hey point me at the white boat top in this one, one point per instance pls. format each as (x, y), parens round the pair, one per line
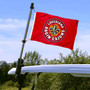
(79, 70)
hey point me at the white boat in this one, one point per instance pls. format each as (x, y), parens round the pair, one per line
(78, 70)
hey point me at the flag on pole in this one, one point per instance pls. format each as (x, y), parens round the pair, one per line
(54, 30)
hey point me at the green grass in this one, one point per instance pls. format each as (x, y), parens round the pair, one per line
(10, 85)
(5, 87)
(13, 88)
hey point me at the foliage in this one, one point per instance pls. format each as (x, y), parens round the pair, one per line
(13, 65)
(16, 84)
(44, 82)
(65, 81)
(32, 58)
(9, 83)
(4, 73)
(76, 57)
(49, 81)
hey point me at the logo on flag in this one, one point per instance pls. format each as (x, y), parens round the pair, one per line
(54, 30)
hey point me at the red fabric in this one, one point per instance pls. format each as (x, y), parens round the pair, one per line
(54, 30)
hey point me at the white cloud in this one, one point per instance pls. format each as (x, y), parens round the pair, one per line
(83, 42)
(0, 19)
(12, 24)
(9, 50)
(83, 37)
(46, 51)
(11, 34)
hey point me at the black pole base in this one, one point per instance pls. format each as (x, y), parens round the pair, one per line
(21, 80)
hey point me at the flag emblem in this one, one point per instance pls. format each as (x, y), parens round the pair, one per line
(54, 30)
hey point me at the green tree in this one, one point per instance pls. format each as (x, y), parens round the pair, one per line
(76, 57)
(13, 65)
(4, 73)
(44, 62)
(55, 61)
(44, 81)
(88, 60)
(32, 58)
(67, 81)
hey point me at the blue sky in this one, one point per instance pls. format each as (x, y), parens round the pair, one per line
(13, 19)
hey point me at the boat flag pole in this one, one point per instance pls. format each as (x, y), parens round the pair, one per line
(20, 60)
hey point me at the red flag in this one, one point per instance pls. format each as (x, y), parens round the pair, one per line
(54, 30)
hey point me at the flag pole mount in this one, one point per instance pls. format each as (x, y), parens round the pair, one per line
(20, 60)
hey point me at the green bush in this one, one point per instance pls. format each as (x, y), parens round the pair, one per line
(9, 83)
(16, 84)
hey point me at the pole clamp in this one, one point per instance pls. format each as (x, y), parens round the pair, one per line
(24, 41)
